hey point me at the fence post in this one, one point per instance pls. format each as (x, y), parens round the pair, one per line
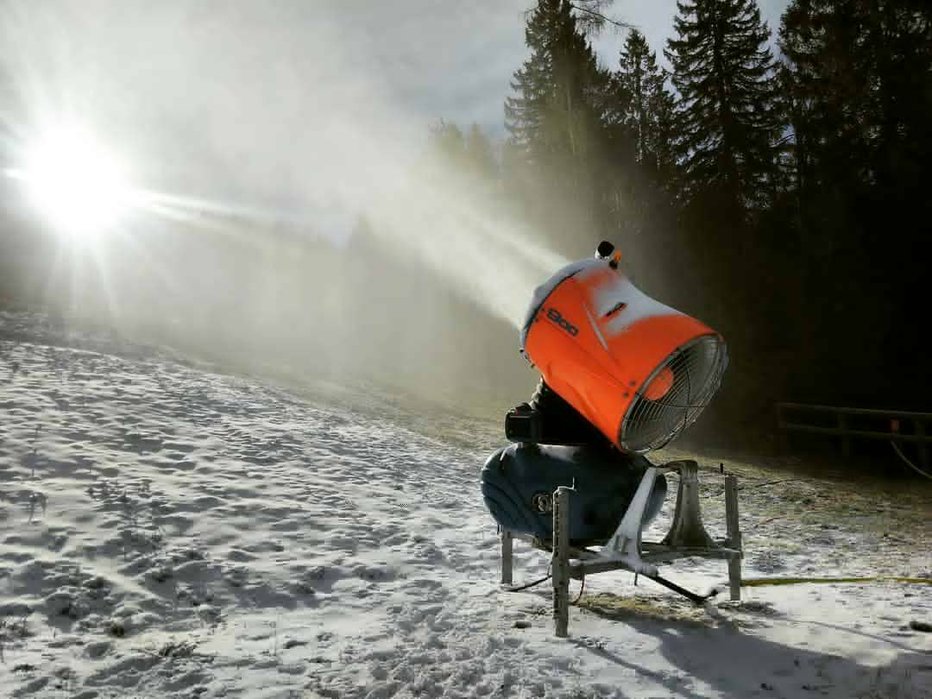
(845, 439)
(560, 561)
(923, 446)
(782, 436)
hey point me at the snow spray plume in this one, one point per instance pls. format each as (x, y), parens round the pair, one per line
(251, 161)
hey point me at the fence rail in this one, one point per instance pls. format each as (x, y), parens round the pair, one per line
(845, 424)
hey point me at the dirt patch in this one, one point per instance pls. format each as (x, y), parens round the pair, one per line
(633, 607)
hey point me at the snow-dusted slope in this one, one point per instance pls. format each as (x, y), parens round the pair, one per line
(166, 531)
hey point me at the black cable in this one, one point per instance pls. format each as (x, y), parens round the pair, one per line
(691, 596)
(530, 584)
(582, 587)
(533, 583)
(899, 452)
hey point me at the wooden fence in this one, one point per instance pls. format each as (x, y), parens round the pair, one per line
(845, 424)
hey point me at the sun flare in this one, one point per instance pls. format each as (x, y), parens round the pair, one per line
(75, 182)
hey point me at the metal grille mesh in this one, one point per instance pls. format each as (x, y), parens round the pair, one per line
(697, 372)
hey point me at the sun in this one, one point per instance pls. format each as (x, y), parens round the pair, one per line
(75, 182)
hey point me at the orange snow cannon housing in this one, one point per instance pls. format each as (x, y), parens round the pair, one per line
(638, 370)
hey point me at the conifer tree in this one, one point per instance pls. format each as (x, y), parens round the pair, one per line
(481, 154)
(557, 89)
(555, 123)
(646, 106)
(858, 75)
(858, 78)
(727, 118)
(448, 142)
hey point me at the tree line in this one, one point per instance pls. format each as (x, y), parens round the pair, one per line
(775, 186)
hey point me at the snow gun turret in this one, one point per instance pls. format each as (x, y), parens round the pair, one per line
(637, 370)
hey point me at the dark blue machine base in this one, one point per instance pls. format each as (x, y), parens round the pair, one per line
(518, 482)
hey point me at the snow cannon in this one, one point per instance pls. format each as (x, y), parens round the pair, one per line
(621, 374)
(639, 371)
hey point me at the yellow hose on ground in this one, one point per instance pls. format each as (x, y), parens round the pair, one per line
(761, 582)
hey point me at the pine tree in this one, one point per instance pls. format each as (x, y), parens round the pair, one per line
(481, 154)
(646, 106)
(858, 79)
(727, 119)
(826, 85)
(857, 75)
(448, 143)
(557, 90)
(555, 125)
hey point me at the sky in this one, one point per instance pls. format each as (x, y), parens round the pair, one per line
(455, 60)
(289, 107)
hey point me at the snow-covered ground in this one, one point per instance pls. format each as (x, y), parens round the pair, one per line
(169, 531)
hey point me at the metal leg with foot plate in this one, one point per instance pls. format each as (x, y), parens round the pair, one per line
(626, 550)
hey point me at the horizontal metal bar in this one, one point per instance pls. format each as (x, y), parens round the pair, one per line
(909, 415)
(579, 569)
(840, 432)
(663, 554)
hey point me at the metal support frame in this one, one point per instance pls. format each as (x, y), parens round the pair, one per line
(624, 547)
(733, 540)
(625, 550)
(687, 530)
(560, 565)
(507, 555)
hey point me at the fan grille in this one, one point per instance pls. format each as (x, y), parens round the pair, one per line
(697, 370)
